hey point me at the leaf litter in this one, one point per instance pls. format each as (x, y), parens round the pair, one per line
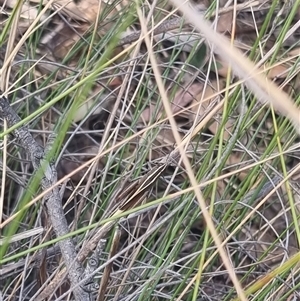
(197, 81)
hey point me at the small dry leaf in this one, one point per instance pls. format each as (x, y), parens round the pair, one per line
(235, 160)
(148, 113)
(162, 145)
(61, 40)
(221, 67)
(185, 96)
(225, 22)
(204, 101)
(28, 13)
(278, 71)
(294, 52)
(181, 100)
(84, 10)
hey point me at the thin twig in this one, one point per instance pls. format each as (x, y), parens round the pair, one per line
(127, 199)
(163, 27)
(177, 22)
(53, 198)
(262, 192)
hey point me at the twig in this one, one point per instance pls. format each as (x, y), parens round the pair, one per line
(52, 199)
(163, 27)
(108, 268)
(177, 22)
(262, 192)
(127, 199)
